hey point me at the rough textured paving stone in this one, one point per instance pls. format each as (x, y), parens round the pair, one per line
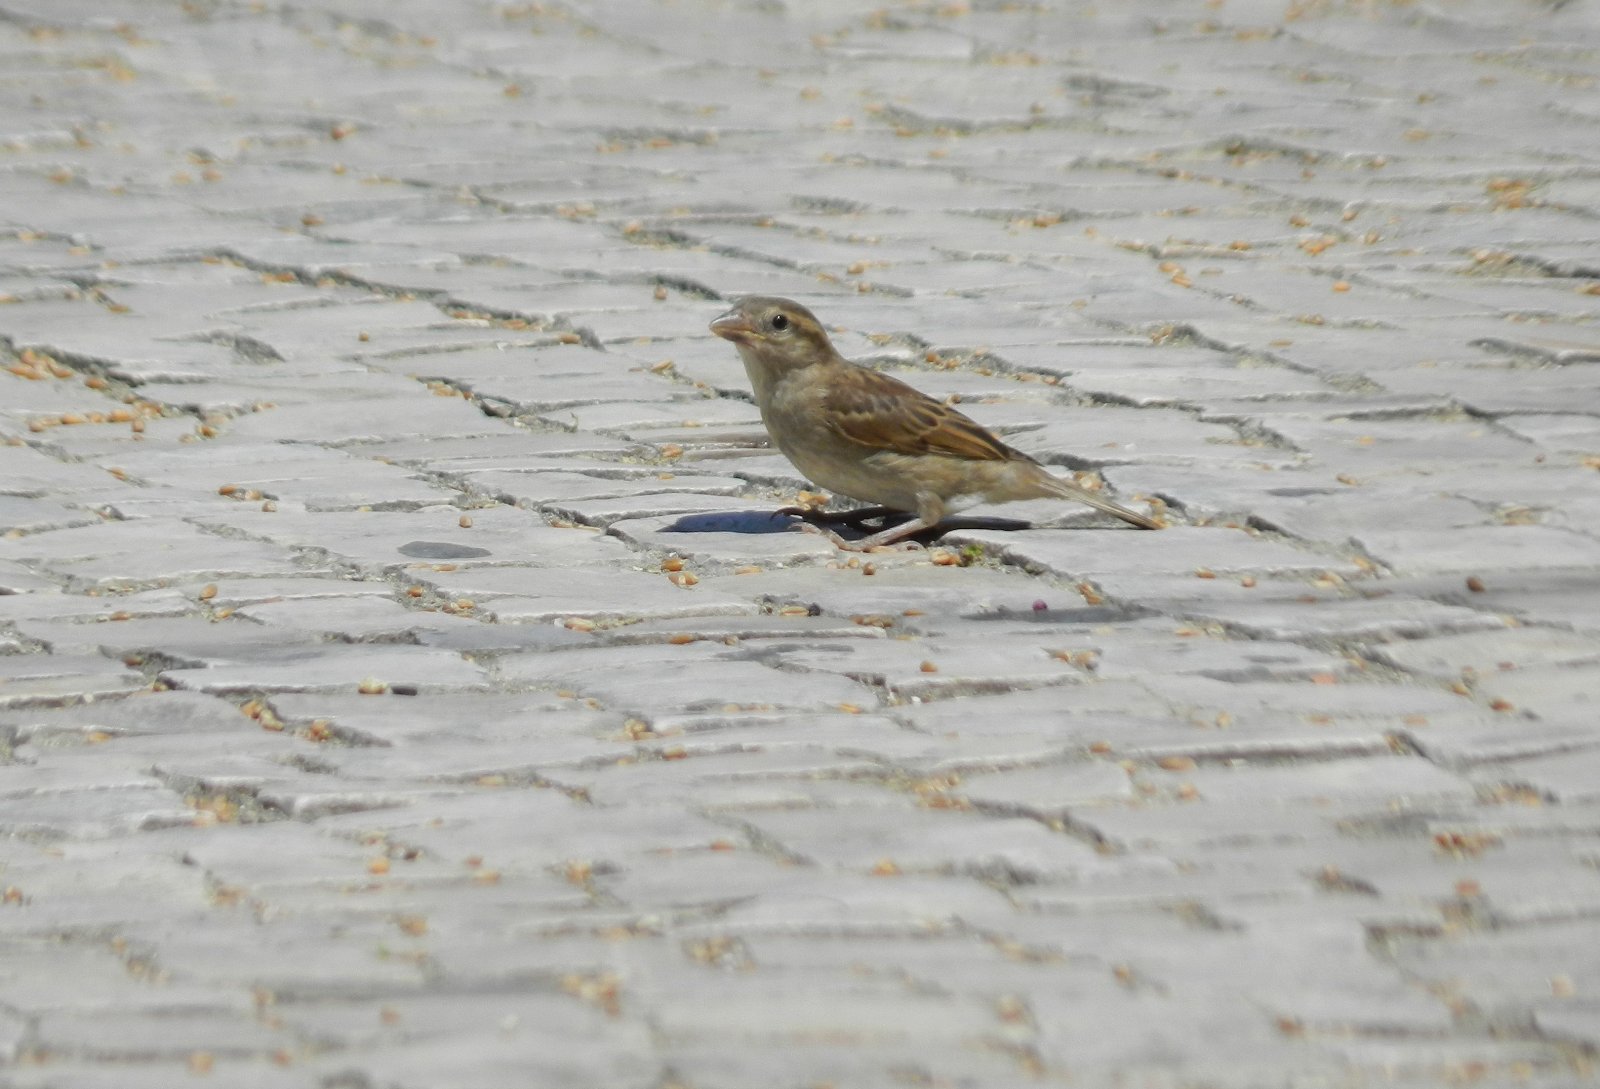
(1452, 656)
(310, 668)
(1051, 790)
(531, 594)
(405, 679)
(666, 682)
(734, 537)
(1172, 551)
(380, 542)
(1471, 551)
(144, 552)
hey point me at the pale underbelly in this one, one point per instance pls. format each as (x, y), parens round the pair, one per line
(871, 479)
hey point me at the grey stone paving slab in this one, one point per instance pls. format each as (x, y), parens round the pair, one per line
(33, 473)
(1568, 777)
(909, 587)
(146, 551)
(927, 669)
(1554, 596)
(722, 780)
(361, 618)
(1558, 695)
(1567, 434)
(1313, 783)
(1495, 735)
(185, 640)
(1469, 550)
(378, 419)
(141, 714)
(538, 594)
(1187, 650)
(471, 638)
(95, 813)
(1322, 507)
(845, 904)
(83, 883)
(1570, 1019)
(1179, 550)
(251, 1073)
(329, 666)
(1452, 656)
(46, 773)
(572, 494)
(739, 537)
(232, 593)
(15, 578)
(476, 717)
(732, 630)
(873, 737)
(554, 1046)
(113, 992)
(1187, 715)
(1186, 827)
(491, 825)
(656, 681)
(95, 606)
(1007, 850)
(1508, 969)
(317, 479)
(681, 505)
(1291, 609)
(537, 383)
(498, 761)
(144, 1037)
(34, 515)
(35, 679)
(381, 542)
(1050, 791)
(509, 450)
(684, 796)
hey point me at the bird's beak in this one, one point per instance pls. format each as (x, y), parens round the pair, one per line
(734, 326)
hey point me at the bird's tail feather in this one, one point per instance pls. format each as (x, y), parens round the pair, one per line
(1068, 490)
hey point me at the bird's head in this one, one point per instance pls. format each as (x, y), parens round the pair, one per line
(779, 331)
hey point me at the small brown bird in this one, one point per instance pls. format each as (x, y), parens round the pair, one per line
(869, 436)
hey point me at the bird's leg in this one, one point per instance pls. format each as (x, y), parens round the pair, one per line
(888, 536)
(930, 510)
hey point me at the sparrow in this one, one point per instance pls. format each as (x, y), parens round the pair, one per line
(867, 435)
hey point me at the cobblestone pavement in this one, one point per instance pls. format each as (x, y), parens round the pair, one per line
(403, 678)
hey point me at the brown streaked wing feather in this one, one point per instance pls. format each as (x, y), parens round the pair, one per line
(884, 413)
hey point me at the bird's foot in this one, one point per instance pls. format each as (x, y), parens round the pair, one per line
(878, 542)
(847, 544)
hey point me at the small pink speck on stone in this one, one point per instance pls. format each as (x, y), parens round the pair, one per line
(1039, 606)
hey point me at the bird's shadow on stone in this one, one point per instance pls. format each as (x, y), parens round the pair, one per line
(731, 521)
(747, 521)
(1005, 525)
(442, 550)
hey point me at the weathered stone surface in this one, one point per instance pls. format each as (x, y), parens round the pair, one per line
(532, 594)
(738, 538)
(378, 543)
(1088, 554)
(662, 679)
(124, 555)
(329, 666)
(406, 680)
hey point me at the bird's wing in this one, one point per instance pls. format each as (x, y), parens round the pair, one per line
(884, 413)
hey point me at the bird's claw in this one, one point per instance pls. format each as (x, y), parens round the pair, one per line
(873, 543)
(823, 531)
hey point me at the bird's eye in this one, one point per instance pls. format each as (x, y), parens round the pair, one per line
(779, 322)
